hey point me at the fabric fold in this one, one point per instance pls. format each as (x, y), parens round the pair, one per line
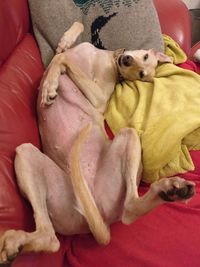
(166, 115)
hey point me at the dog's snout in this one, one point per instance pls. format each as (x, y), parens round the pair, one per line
(125, 60)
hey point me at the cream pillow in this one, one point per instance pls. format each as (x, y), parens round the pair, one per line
(130, 24)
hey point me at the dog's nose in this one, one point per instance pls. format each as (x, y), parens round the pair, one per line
(127, 60)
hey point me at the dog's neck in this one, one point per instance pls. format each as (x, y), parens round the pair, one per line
(119, 77)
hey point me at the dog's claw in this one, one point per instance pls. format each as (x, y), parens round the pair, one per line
(11, 258)
(51, 98)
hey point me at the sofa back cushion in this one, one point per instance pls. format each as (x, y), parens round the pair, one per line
(108, 24)
(14, 23)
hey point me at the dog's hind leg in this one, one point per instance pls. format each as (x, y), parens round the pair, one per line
(127, 145)
(121, 166)
(164, 190)
(62, 63)
(29, 166)
(118, 174)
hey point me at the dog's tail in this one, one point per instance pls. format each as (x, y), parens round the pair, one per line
(83, 195)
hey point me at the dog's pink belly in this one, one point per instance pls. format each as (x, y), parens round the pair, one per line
(60, 125)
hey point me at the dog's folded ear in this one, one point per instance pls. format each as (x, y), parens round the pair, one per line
(118, 52)
(162, 57)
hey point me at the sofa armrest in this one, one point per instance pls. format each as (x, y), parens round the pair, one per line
(175, 21)
(14, 24)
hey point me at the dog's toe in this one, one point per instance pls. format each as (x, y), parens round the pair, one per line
(175, 194)
(168, 196)
(51, 98)
(11, 244)
(186, 192)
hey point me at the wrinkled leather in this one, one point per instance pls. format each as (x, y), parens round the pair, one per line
(175, 21)
(19, 79)
(14, 23)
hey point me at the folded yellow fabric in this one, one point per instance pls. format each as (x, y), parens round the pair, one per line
(165, 113)
(173, 50)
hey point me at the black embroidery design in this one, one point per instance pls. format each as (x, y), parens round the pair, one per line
(106, 5)
(101, 21)
(96, 26)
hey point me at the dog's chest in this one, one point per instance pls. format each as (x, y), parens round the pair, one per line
(96, 64)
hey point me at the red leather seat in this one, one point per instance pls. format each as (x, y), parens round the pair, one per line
(175, 21)
(20, 72)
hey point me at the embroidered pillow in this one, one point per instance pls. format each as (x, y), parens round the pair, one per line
(130, 24)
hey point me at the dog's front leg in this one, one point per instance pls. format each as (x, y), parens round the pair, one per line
(50, 81)
(92, 91)
(69, 37)
(62, 63)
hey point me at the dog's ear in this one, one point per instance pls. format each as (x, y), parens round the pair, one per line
(162, 57)
(118, 52)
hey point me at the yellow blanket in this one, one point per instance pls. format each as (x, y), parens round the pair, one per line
(165, 113)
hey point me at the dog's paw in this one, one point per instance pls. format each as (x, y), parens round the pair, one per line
(175, 189)
(49, 92)
(11, 243)
(63, 45)
(70, 37)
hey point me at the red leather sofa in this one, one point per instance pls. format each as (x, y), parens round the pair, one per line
(167, 237)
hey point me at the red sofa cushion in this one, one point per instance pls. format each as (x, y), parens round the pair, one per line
(168, 236)
(14, 24)
(175, 21)
(19, 79)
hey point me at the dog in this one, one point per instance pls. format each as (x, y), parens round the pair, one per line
(83, 182)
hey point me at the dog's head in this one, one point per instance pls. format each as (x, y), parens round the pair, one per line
(139, 64)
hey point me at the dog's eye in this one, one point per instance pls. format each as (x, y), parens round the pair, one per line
(146, 56)
(141, 74)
